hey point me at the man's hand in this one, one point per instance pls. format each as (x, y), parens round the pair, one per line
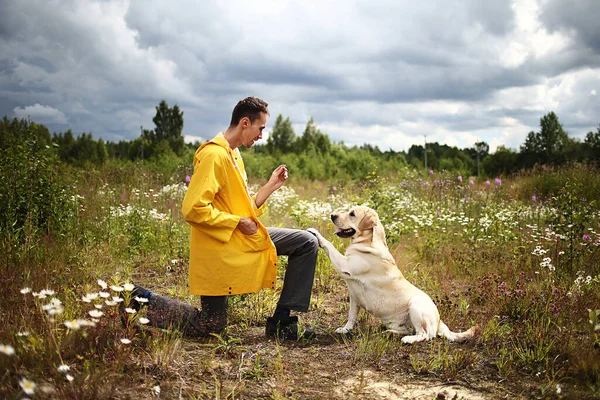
(278, 177)
(247, 226)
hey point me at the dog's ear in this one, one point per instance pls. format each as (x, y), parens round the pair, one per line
(368, 221)
(379, 234)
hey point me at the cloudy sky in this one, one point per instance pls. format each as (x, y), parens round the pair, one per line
(382, 72)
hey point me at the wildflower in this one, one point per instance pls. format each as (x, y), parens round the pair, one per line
(27, 386)
(533, 199)
(538, 251)
(54, 307)
(89, 297)
(116, 288)
(98, 306)
(63, 368)
(187, 179)
(23, 333)
(130, 310)
(144, 321)
(471, 182)
(125, 341)
(430, 172)
(110, 302)
(7, 349)
(558, 389)
(73, 324)
(102, 284)
(26, 290)
(117, 299)
(141, 299)
(487, 182)
(586, 236)
(69, 377)
(128, 287)
(156, 390)
(498, 181)
(95, 313)
(84, 322)
(460, 178)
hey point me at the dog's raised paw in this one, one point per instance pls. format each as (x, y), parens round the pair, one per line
(313, 231)
(317, 235)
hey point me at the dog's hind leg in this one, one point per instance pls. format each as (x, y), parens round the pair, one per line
(424, 318)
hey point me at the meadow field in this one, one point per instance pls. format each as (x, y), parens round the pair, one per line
(517, 255)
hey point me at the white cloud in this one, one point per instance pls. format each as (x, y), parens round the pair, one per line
(193, 139)
(41, 113)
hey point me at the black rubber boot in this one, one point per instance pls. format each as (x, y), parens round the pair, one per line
(286, 329)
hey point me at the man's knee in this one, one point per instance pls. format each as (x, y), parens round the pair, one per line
(312, 243)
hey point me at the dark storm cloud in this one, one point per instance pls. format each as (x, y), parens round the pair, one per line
(581, 16)
(449, 66)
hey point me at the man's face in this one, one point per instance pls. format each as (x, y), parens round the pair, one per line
(254, 130)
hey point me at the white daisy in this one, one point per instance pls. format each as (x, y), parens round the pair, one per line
(27, 386)
(96, 313)
(7, 349)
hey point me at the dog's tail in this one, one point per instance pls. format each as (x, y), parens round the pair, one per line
(444, 331)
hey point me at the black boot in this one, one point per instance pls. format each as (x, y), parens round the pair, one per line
(286, 329)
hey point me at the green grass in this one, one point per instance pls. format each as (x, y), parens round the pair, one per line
(527, 273)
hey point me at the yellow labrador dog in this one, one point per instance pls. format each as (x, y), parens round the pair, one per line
(376, 284)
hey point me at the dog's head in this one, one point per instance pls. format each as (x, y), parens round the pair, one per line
(358, 223)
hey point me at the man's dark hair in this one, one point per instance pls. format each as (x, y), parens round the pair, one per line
(250, 107)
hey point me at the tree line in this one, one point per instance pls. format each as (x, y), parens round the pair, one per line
(312, 154)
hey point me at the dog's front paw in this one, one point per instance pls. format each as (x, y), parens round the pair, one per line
(317, 235)
(343, 330)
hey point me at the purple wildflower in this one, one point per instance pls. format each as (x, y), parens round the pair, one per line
(460, 178)
(533, 198)
(187, 179)
(471, 182)
(487, 182)
(498, 181)
(430, 172)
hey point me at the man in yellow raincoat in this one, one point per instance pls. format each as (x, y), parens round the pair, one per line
(231, 251)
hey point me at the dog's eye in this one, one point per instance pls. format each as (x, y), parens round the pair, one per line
(352, 213)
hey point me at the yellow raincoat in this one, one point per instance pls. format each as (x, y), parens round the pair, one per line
(224, 261)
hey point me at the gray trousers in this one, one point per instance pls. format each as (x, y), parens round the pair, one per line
(300, 246)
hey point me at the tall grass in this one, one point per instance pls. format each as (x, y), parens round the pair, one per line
(485, 251)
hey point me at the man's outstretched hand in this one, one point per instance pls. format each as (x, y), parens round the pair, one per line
(278, 177)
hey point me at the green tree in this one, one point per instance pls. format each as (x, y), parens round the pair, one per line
(482, 149)
(503, 161)
(313, 140)
(168, 127)
(547, 145)
(592, 143)
(282, 136)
